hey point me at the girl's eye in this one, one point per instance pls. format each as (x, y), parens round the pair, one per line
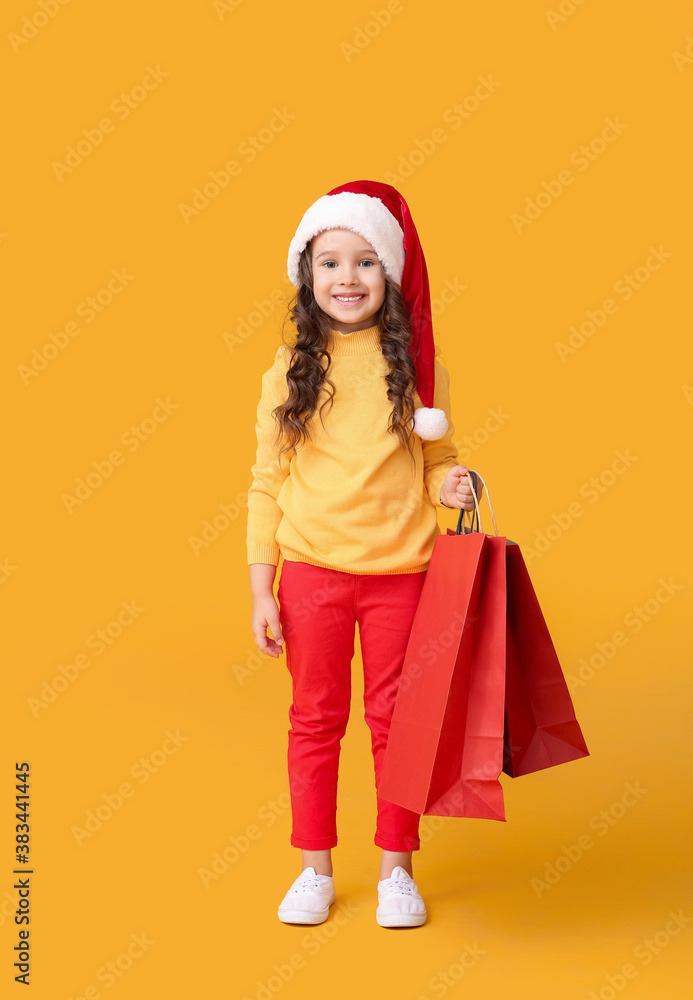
(364, 261)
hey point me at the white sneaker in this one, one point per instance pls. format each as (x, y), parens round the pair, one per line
(309, 899)
(399, 902)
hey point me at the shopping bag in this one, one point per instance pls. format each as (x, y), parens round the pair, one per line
(445, 747)
(541, 728)
(496, 702)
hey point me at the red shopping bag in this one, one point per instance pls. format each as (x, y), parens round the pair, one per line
(493, 697)
(445, 747)
(541, 728)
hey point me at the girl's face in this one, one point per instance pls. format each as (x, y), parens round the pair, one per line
(348, 279)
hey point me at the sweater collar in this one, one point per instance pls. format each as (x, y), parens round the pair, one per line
(359, 342)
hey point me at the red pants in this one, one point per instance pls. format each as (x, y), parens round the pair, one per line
(318, 611)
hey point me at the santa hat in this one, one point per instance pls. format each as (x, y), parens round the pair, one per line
(379, 213)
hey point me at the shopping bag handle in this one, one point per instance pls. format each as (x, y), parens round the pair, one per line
(475, 515)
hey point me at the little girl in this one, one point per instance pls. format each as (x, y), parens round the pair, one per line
(348, 498)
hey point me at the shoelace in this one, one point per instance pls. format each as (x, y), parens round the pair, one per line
(399, 885)
(305, 883)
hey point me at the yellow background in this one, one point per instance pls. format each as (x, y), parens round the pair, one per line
(186, 664)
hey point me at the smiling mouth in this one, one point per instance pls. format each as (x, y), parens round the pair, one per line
(349, 298)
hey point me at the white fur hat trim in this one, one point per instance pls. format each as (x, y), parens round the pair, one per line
(360, 213)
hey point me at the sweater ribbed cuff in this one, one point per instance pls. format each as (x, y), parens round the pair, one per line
(263, 554)
(434, 481)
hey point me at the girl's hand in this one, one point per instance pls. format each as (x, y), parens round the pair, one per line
(266, 614)
(456, 491)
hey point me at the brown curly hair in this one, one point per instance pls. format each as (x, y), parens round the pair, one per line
(307, 374)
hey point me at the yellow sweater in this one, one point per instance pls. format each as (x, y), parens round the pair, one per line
(351, 498)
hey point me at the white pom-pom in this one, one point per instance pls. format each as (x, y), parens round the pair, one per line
(430, 423)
